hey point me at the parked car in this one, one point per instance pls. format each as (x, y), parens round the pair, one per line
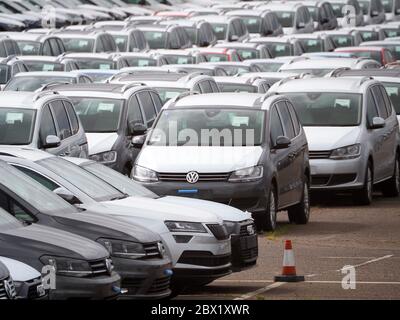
(341, 7)
(247, 50)
(45, 121)
(382, 55)
(95, 41)
(249, 177)
(73, 256)
(48, 63)
(165, 36)
(137, 252)
(259, 23)
(129, 40)
(353, 134)
(392, 46)
(233, 68)
(7, 287)
(294, 17)
(214, 54)
(322, 14)
(278, 46)
(8, 47)
(27, 280)
(33, 81)
(373, 10)
(9, 68)
(226, 29)
(111, 114)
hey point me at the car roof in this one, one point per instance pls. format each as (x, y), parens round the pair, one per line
(358, 49)
(39, 58)
(370, 72)
(345, 85)
(70, 74)
(24, 153)
(321, 63)
(234, 45)
(117, 90)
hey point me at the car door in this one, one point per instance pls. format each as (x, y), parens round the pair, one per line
(280, 157)
(148, 108)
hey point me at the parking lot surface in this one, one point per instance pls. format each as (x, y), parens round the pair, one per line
(337, 235)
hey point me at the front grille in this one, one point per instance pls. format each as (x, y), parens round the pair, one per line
(99, 268)
(249, 254)
(160, 285)
(320, 154)
(11, 291)
(332, 180)
(245, 232)
(203, 177)
(219, 231)
(204, 258)
(152, 250)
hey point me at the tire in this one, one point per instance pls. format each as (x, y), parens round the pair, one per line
(269, 217)
(364, 196)
(391, 188)
(300, 213)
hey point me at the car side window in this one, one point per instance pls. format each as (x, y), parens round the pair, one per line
(372, 110)
(295, 119)
(388, 103)
(197, 88)
(174, 40)
(157, 101)
(276, 128)
(61, 46)
(3, 52)
(286, 120)
(54, 47)
(47, 127)
(148, 107)
(205, 87)
(46, 50)
(214, 86)
(61, 118)
(11, 206)
(99, 45)
(39, 178)
(73, 118)
(380, 102)
(134, 112)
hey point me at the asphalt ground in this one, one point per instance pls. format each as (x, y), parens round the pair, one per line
(339, 233)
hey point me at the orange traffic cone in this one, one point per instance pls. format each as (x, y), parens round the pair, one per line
(289, 266)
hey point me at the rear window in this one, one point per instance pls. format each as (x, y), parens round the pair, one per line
(219, 30)
(95, 64)
(179, 59)
(285, 18)
(141, 62)
(237, 87)
(121, 42)
(279, 49)
(312, 45)
(43, 66)
(215, 57)
(342, 40)
(253, 24)
(155, 39)
(248, 54)
(16, 126)
(33, 83)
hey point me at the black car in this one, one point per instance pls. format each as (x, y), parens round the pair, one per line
(7, 288)
(137, 253)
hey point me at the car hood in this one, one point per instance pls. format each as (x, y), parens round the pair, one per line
(46, 240)
(94, 225)
(19, 271)
(223, 211)
(329, 138)
(200, 159)
(147, 208)
(101, 142)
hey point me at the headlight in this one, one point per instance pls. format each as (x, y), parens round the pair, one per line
(67, 266)
(230, 226)
(123, 249)
(247, 174)
(104, 157)
(181, 226)
(144, 175)
(349, 152)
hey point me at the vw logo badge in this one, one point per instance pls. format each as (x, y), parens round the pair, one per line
(109, 266)
(161, 249)
(10, 290)
(192, 177)
(250, 229)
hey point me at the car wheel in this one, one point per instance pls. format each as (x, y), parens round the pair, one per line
(364, 196)
(391, 188)
(269, 221)
(300, 213)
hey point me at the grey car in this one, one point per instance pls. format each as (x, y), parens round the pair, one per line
(353, 134)
(262, 168)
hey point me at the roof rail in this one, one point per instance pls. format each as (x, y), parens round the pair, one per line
(51, 84)
(41, 94)
(336, 72)
(183, 95)
(267, 95)
(131, 85)
(364, 79)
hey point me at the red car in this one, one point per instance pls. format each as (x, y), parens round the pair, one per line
(380, 54)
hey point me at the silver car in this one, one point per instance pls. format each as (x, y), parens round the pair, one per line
(352, 131)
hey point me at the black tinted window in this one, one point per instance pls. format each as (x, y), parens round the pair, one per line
(47, 127)
(372, 110)
(286, 120)
(276, 125)
(148, 107)
(205, 87)
(134, 113)
(295, 120)
(46, 51)
(157, 101)
(60, 115)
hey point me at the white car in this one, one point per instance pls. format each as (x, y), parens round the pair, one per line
(27, 280)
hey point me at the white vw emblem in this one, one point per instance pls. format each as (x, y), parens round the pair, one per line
(161, 249)
(10, 289)
(109, 266)
(250, 229)
(192, 177)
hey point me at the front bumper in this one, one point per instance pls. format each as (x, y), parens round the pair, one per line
(32, 290)
(244, 245)
(96, 288)
(144, 279)
(242, 195)
(327, 174)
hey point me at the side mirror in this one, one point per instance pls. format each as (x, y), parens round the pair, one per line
(234, 37)
(282, 142)
(52, 142)
(377, 123)
(138, 141)
(66, 195)
(137, 129)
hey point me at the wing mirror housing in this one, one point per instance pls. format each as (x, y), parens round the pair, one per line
(138, 141)
(137, 129)
(282, 142)
(52, 142)
(377, 123)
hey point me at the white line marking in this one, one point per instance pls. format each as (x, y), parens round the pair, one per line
(260, 291)
(310, 281)
(370, 261)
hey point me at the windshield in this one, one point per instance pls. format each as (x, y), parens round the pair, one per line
(178, 59)
(269, 66)
(285, 18)
(253, 24)
(312, 45)
(342, 40)
(7, 221)
(213, 127)
(393, 90)
(33, 83)
(122, 42)
(29, 48)
(89, 184)
(369, 35)
(219, 30)
(78, 44)
(279, 49)
(141, 62)
(91, 63)
(327, 109)
(33, 192)
(169, 93)
(16, 126)
(99, 114)
(43, 66)
(237, 87)
(387, 5)
(245, 54)
(216, 57)
(390, 33)
(337, 9)
(235, 70)
(119, 181)
(155, 39)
